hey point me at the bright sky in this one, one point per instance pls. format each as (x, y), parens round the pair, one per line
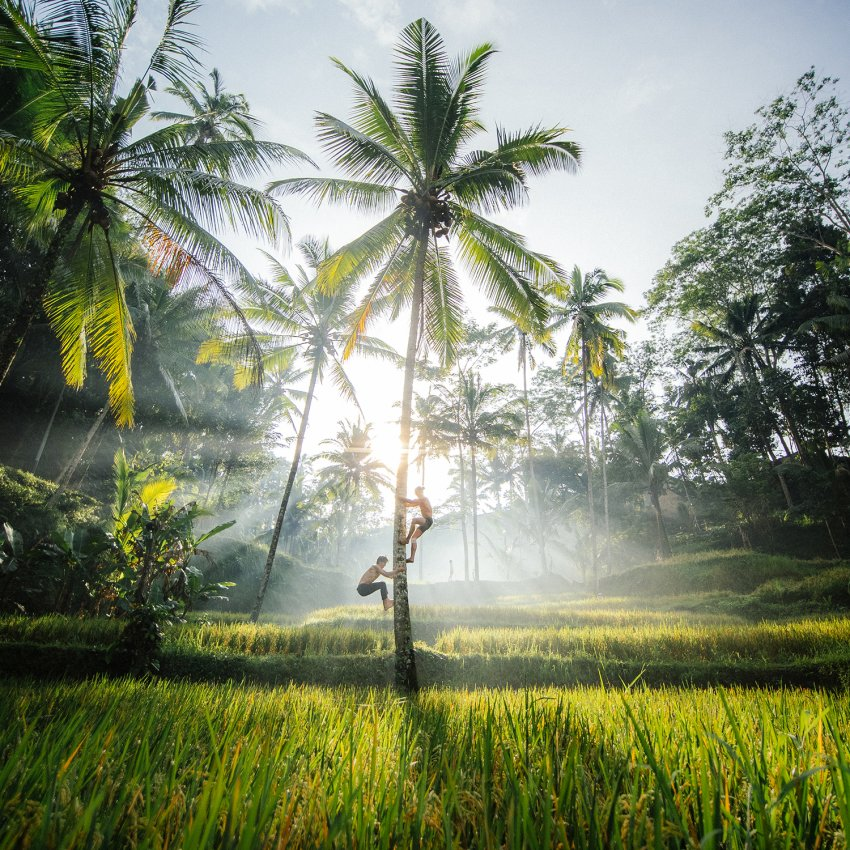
(647, 89)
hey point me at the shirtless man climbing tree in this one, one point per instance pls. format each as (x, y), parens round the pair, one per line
(419, 524)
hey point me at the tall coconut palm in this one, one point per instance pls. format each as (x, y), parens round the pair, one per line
(414, 159)
(605, 389)
(294, 315)
(579, 306)
(215, 115)
(352, 473)
(642, 443)
(488, 413)
(430, 440)
(528, 334)
(72, 159)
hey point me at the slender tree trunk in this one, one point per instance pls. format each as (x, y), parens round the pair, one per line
(463, 531)
(839, 403)
(603, 425)
(91, 455)
(228, 469)
(742, 531)
(476, 574)
(462, 468)
(405, 659)
(591, 517)
(49, 427)
(686, 489)
(781, 476)
(13, 336)
(420, 551)
(213, 473)
(774, 419)
(663, 541)
(67, 473)
(537, 513)
(290, 482)
(832, 538)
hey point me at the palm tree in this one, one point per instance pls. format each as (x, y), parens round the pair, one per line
(528, 334)
(295, 315)
(71, 158)
(742, 342)
(352, 473)
(642, 443)
(215, 115)
(430, 439)
(413, 158)
(579, 304)
(604, 391)
(488, 414)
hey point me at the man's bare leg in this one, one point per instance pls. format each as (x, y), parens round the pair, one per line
(416, 535)
(414, 524)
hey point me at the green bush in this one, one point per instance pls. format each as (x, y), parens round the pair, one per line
(23, 504)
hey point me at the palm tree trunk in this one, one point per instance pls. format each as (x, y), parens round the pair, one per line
(71, 467)
(603, 425)
(687, 489)
(405, 659)
(290, 482)
(476, 574)
(11, 339)
(537, 514)
(663, 541)
(591, 517)
(463, 532)
(742, 531)
(420, 549)
(49, 428)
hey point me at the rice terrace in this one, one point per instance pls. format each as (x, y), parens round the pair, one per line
(424, 425)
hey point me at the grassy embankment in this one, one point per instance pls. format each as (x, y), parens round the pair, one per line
(675, 638)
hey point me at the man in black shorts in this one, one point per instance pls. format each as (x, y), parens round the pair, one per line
(368, 584)
(419, 524)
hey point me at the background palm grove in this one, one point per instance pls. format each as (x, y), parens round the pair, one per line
(649, 495)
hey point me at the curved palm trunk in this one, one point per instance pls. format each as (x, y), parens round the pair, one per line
(532, 481)
(476, 574)
(405, 659)
(591, 517)
(290, 482)
(49, 428)
(64, 479)
(11, 340)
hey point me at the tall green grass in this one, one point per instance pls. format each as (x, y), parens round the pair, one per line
(599, 634)
(660, 642)
(154, 765)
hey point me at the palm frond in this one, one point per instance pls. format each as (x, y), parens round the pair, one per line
(174, 56)
(364, 254)
(365, 197)
(443, 303)
(423, 92)
(358, 154)
(374, 118)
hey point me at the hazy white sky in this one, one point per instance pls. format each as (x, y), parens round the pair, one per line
(647, 88)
